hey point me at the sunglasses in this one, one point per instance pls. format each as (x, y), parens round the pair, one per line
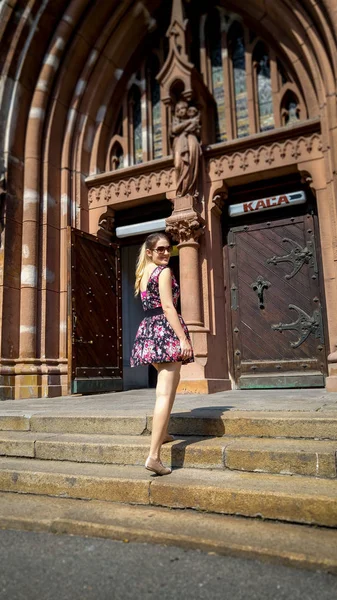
(162, 249)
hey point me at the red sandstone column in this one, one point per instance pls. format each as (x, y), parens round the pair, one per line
(186, 227)
(190, 282)
(32, 185)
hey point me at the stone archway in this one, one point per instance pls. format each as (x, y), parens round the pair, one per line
(56, 101)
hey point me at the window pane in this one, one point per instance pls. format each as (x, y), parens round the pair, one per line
(157, 143)
(266, 112)
(137, 127)
(214, 40)
(240, 87)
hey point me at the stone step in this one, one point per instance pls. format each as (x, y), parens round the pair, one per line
(282, 498)
(208, 422)
(300, 546)
(282, 456)
(317, 458)
(112, 449)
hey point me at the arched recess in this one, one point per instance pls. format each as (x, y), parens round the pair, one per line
(59, 100)
(291, 108)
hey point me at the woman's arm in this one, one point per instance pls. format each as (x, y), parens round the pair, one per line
(165, 292)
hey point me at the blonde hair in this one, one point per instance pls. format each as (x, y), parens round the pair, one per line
(142, 260)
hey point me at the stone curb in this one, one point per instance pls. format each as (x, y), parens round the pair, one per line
(293, 545)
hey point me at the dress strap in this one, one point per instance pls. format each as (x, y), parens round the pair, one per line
(157, 271)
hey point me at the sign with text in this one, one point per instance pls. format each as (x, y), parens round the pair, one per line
(280, 201)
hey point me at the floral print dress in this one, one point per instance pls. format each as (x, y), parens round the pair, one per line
(156, 341)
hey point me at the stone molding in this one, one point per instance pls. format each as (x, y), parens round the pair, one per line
(132, 188)
(276, 154)
(274, 149)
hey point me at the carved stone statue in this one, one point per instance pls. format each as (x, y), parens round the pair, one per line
(185, 131)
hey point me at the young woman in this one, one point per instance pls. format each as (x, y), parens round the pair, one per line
(162, 338)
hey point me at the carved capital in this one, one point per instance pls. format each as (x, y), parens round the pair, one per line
(186, 227)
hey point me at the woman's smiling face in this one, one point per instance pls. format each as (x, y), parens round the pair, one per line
(160, 254)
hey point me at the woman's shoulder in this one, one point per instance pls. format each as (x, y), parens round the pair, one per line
(164, 272)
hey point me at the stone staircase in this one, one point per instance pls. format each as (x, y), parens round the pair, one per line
(274, 465)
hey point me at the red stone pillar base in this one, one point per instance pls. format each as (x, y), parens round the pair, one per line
(203, 386)
(331, 380)
(33, 378)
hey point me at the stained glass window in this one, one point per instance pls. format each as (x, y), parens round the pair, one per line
(237, 48)
(264, 91)
(137, 125)
(214, 39)
(157, 138)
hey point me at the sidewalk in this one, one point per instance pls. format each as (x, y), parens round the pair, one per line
(141, 402)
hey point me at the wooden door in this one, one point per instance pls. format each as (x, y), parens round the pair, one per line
(95, 320)
(276, 311)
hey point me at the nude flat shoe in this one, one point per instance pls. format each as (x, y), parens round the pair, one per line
(168, 438)
(156, 466)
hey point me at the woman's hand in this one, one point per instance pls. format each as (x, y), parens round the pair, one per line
(186, 349)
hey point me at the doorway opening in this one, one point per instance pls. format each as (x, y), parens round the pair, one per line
(132, 311)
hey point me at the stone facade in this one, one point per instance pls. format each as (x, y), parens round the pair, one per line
(88, 94)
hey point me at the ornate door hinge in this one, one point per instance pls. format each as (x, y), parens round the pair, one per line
(304, 325)
(298, 256)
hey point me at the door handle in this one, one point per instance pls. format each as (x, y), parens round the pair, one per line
(80, 340)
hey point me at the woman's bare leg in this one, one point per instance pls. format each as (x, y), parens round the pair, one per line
(167, 383)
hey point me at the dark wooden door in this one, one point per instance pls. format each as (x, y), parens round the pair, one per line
(276, 310)
(95, 320)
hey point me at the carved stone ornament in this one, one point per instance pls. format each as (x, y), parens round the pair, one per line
(218, 202)
(177, 65)
(187, 228)
(157, 181)
(106, 224)
(237, 160)
(185, 131)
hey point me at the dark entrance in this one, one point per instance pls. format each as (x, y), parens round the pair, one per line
(275, 303)
(95, 320)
